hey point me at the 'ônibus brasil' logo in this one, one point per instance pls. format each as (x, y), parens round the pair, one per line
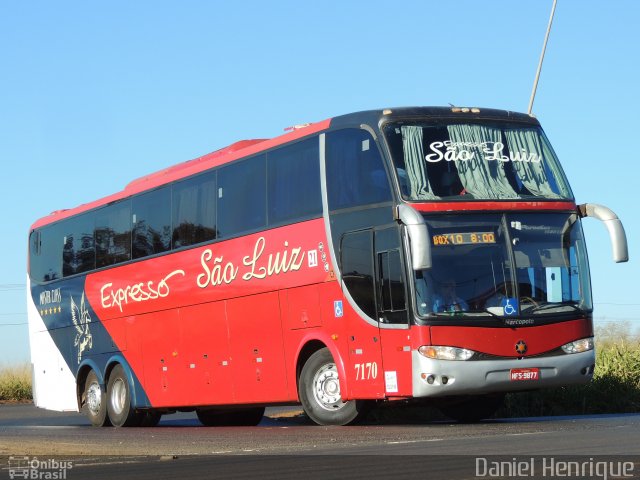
(81, 320)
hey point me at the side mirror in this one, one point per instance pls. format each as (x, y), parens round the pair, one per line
(418, 236)
(614, 227)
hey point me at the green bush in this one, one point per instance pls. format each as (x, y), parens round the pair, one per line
(15, 383)
(615, 387)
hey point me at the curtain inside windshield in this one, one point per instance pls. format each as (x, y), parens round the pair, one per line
(474, 161)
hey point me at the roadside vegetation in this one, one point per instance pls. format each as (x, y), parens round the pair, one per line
(15, 383)
(615, 387)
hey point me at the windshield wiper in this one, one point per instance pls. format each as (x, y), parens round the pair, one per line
(551, 306)
(486, 310)
(466, 313)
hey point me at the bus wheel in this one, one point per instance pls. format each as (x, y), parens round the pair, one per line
(319, 392)
(472, 409)
(247, 417)
(119, 407)
(94, 401)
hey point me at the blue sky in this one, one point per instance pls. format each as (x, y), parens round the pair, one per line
(93, 95)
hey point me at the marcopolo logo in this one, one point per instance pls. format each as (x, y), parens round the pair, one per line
(37, 469)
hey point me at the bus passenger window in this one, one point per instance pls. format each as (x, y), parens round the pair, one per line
(194, 210)
(242, 194)
(355, 172)
(113, 234)
(294, 182)
(45, 260)
(151, 214)
(78, 253)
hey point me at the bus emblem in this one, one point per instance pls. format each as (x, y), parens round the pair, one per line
(521, 347)
(81, 320)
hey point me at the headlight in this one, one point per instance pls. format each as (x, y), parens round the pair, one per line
(578, 346)
(445, 353)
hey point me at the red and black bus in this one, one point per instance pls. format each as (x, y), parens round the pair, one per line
(413, 253)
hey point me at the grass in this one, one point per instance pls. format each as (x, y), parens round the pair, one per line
(15, 383)
(615, 387)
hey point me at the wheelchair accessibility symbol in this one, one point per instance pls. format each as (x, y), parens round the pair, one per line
(510, 306)
(337, 308)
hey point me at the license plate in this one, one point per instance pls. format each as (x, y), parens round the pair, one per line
(524, 374)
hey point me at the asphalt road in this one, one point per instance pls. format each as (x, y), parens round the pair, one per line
(285, 444)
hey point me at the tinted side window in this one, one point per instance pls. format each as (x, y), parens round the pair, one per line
(46, 254)
(392, 292)
(78, 254)
(242, 196)
(355, 172)
(151, 222)
(113, 234)
(356, 255)
(194, 210)
(35, 256)
(294, 182)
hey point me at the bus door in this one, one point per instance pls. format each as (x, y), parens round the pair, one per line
(392, 312)
(364, 368)
(379, 343)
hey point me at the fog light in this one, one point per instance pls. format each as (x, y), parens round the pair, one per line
(579, 346)
(445, 353)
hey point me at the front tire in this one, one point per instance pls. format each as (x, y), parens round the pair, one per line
(319, 392)
(119, 406)
(94, 401)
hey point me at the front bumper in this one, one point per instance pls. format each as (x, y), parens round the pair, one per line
(451, 377)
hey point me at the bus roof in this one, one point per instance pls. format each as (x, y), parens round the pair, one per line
(245, 148)
(219, 157)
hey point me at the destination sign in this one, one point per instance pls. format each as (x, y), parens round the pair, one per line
(465, 238)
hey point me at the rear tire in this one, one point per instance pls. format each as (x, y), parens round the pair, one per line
(246, 417)
(119, 406)
(94, 401)
(319, 392)
(472, 409)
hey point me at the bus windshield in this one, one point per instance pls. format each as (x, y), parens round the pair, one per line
(474, 161)
(515, 264)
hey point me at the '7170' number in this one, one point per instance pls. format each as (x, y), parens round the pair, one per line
(366, 371)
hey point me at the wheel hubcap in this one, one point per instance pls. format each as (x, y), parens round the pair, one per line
(118, 396)
(94, 398)
(326, 388)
